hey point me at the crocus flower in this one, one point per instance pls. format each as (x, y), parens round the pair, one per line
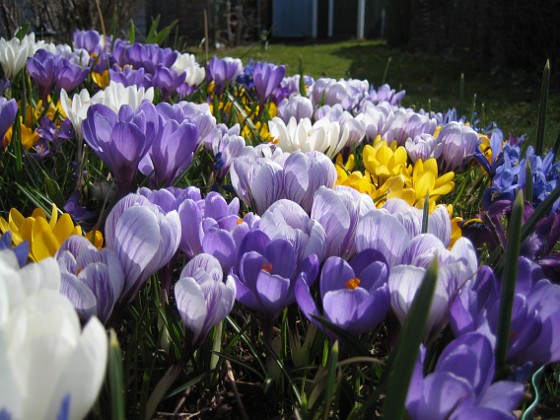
(203, 299)
(207, 226)
(44, 353)
(304, 174)
(186, 63)
(267, 78)
(339, 210)
(423, 147)
(121, 140)
(43, 67)
(267, 273)
(222, 71)
(323, 136)
(456, 266)
(258, 180)
(92, 279)
(14, 54)
(89, 40)
(144, 239)
(171, 152)
(354, 294)
(458, 142)
(44, 237)
(8, 111)
(296, 106)
(69, 75)
(535, 318)
(461, 384)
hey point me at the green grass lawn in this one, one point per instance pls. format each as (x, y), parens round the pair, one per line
(511, 100)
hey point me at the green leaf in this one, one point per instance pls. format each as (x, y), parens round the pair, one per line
(403, 358)
(386, 71)
(509, 277)
(425, 212)
(542, 108)
(115, 376)
(131, 32)
(461, 95)
(528, 189)
(330, 386)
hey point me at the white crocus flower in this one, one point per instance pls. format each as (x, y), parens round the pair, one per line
(323, 136)
(114, 96)
(76, 109)
(49, 365)
(14, 54)
(194, 74)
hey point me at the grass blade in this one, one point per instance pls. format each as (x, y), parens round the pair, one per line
(116, 378)
(509, 277)
(331, 379)
(461, 95)
(542, 108)
(403, 358)
(386, 71)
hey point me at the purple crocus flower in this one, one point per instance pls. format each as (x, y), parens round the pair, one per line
(461, 384)
(89, 40)
(267, 273)
(43, 67)
(267, 78)
(212, 226)
(121, 140)
(535, 320)
(130, 77)
(171, 153)
(423, 147)
(296, 106)
(354, 294)
(456, 267)
(338, 210)
(226, 144)
(458, 141)
(203, 299)
(222, 71)
(144, 239)
(304, 174)
(257, 180)
(287, 220)
(167, 80)
(8, 111)
(92, 279)
(69, 75)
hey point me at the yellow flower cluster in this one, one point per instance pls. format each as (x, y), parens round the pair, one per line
(44, 237)
(388, 174)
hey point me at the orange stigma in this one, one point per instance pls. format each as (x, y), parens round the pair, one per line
(239, 221)
(267, 267)
(352, 283)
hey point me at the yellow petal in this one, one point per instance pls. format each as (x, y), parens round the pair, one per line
(44, 243)
(65, 228)
(54, 216)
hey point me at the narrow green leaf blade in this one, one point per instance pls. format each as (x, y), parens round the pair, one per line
(406, 350)
(331, 379)
(542, 108)
(509, 278)
(116, 378)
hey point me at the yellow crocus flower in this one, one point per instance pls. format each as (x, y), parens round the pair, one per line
(101, 79)
(44, 237)
(383, 161)
(425, 180)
